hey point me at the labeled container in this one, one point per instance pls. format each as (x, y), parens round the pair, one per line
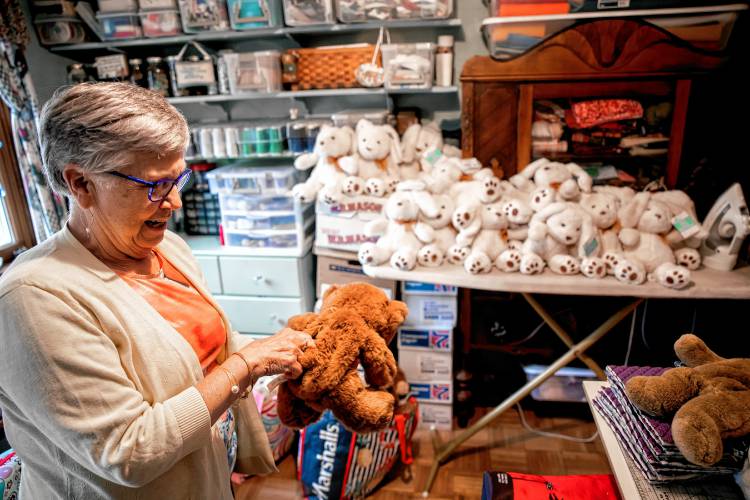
(238, 179)
(157, 4)
(308, 12)
(57, 30)
(444, 61)
(117, 5)
(158, 23)
(251, 72)
(353, 116)
(250, 14)
(408, 65)
(353, 11)
(203, 15)
(120, 25)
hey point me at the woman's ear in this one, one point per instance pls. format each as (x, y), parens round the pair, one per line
(79, 184)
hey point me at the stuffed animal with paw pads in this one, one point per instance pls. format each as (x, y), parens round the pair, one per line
(375, 164)
(549, 182)
(433, 254)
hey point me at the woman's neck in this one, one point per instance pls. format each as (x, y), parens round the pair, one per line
(107, 253)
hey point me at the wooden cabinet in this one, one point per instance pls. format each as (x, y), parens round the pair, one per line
(602, 58)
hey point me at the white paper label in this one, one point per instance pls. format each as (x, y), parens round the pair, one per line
(193, 73)
(686, 225)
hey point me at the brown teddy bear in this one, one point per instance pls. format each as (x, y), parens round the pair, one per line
(355, 325)
(711, 398)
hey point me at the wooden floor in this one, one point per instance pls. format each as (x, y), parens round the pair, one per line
(506, 446)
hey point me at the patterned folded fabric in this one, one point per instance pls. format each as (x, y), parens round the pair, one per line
(587, 114)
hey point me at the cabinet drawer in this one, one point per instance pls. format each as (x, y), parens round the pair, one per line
(210, 267)
(266, 276)
(259, 314)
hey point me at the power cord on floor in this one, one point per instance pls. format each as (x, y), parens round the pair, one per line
(526, 426)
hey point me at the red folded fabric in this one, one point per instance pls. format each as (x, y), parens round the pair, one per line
(587, 114)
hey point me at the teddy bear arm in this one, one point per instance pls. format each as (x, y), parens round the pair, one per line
(325, 374)
(378, 362)
(664, 394)
(358, 408)
(424, 232)
(694, 352)
(301, 322)
(629, 237)
(293, 411)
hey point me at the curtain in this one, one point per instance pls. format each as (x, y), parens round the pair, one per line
(48, 210)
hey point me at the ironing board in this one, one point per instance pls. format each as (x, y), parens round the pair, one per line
(707, 284)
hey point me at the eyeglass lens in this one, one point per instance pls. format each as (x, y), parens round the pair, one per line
(162, 189)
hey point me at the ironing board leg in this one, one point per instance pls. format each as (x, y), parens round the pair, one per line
(555, 326)
(444, 451)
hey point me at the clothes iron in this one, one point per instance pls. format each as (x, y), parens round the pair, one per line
(726, 225)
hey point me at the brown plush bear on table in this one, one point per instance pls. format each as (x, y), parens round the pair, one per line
(355, 325)
(710, 395)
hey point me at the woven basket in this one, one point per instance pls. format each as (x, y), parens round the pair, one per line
(330, 67)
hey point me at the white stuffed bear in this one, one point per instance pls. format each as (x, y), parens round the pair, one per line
(646, 235)
(549, 182)
(432, 255)
(491, 242)
(375, 164)
(331, 146)
(417, 140)
(556, 235)
(401, 233)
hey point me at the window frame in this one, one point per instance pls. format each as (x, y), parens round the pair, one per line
(19, 217)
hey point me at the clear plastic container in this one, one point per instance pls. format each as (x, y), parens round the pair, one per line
(203, 15)
(120, 25)
(249, 14)
(59, 30)
(241, 203)
(353, 116)
(157, 4)
(117, 5)
(160, 23)
(308, 12)
(353, 11)
(251, 72)
(408, 65)
(251, 180)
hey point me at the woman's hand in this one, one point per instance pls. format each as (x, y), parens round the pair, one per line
(277, 354)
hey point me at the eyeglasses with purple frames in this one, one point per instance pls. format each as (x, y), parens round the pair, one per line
(159, 190)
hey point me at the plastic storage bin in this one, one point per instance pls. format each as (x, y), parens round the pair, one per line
(352, 117)
(59, 30)
(202, 212)
(249, 14)
(117, 5)
(409, 65)
(352, 11)
(251, 72)
(277, 220)
(120, 25)
(237, 179)
(264, 140)
(203, 15)
(307, 12)
(231, 203)
(565, 386)
(157, 4)
(157, 23)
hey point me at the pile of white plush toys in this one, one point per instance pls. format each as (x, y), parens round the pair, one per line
(441, 208)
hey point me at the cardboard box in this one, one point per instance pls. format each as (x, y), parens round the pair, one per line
(334, 271)
(425, 338)
(431, 310)
(341, 226)
(420, 365)
(415, 287)
(435, 416)
(432, 392)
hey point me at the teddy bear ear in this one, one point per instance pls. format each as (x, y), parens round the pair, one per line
(409, 143)
(330, 290)
(397, 313)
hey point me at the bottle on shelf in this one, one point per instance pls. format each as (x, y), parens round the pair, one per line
(156, 77)
(76, 74)
(136, 74)
(444, 61)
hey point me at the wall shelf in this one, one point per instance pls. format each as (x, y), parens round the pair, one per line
(220, 36)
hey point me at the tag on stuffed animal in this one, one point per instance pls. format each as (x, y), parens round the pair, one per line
(433, 156)
(590, 246)
(686, 225)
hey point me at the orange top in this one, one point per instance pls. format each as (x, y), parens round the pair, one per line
(180, 304)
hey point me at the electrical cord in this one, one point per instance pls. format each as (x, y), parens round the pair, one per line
(575, 439)
(630, 339)
(643, 325)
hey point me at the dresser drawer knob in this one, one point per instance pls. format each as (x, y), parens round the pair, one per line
(260, 279)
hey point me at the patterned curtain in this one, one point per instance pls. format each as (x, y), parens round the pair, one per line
(48, 210)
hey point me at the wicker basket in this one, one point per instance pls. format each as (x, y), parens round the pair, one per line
(329, 67)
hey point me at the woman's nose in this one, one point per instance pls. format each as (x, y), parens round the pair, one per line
(173, 200)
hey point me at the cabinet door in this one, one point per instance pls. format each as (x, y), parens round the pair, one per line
(265, 276)
(259, 315)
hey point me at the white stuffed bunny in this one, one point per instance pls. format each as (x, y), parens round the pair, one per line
(549, 182)
(401, 233)
(375, 164)
(646, 235)
(417, 140)
(432, 255)
(556, 235)
(331, 145)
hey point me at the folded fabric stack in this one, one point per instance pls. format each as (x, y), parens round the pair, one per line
(648, 441)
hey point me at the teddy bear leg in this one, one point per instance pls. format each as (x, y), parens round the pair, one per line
(630, 272)
(509, 261)
(463, 217)
(594, 267)
(352, 186)
(531, 263)
(430, 256)
(372, 255)
(564, 264)
(694, 352)
(293, 412)
(457, 254)
(672, 276)
(330, 195)
(360, 409)
(305, 193)
(376, 187)
(688, 257)
(490, 190)
(612, 260)
(404, 259)
(477, 263)
(664, 394)
(541, 198)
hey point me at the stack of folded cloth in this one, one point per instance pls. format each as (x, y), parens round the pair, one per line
(648, 441)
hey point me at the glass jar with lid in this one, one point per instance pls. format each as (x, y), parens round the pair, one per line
(136, 73)
(77, 74)
(157, 78)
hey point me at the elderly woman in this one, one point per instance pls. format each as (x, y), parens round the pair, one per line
(120, 375)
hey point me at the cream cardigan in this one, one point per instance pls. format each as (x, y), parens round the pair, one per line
(98, 391)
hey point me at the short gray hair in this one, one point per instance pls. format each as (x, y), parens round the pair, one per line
(99, 126)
